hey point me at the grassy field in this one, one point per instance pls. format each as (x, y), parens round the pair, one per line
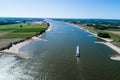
(16, 31)
(114, 33)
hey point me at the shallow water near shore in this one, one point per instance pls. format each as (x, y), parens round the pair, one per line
(55, 58)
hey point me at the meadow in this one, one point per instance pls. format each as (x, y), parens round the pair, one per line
(21, 30)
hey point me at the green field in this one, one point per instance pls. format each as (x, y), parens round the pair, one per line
(16, 31)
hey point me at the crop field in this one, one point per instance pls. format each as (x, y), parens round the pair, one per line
(21, 30)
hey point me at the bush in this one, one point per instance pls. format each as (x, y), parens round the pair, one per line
(48, 24)
(104, 35)
(21, 26)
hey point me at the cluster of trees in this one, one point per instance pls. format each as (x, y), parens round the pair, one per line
(103, 27)
(100, 27)
(104, 35)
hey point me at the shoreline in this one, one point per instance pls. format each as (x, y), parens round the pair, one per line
(107, 42)
(105, 39)
(14, 49)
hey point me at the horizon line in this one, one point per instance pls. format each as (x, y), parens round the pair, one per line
(60, 17)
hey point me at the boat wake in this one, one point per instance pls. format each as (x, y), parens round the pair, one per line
(78, 60)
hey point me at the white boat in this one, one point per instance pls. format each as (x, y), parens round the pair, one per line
(77, 52)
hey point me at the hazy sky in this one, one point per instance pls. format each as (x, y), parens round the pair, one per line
(61, 8)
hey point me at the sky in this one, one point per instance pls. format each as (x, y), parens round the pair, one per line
(105, 9)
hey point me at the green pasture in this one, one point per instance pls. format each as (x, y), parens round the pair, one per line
(16, 31)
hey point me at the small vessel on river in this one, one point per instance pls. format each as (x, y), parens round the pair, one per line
(77, 52)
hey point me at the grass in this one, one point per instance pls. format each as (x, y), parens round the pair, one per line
(15, 31)
(113, 29)
(91, 29)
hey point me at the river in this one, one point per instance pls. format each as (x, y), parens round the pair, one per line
(55, 58)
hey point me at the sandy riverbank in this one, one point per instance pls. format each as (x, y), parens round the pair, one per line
(14, 50)
(115, 48)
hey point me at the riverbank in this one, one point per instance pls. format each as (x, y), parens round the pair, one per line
(15, 46)
(14, 50)
(108, 41)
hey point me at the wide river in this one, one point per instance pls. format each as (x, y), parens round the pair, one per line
(55, 59)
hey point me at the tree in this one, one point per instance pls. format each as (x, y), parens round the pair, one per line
(21, 26)
(104, 35)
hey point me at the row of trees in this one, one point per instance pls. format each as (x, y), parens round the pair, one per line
(103, 27)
